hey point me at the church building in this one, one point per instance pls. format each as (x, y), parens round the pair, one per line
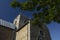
(22, 29)
(25, 30)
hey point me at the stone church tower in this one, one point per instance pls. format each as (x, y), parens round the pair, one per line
(25, 31)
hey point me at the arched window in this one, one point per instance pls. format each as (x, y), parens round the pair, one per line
(41, 33)
(40, 37)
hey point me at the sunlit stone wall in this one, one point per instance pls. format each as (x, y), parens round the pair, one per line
(22, 34)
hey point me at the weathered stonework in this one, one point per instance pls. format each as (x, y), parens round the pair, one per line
(26, 31)
(22, 34)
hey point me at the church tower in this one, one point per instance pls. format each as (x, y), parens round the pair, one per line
(25, 31)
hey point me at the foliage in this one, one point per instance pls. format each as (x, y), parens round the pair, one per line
(15, 4)
(50, 10)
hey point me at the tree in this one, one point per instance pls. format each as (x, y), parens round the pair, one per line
(46, 10)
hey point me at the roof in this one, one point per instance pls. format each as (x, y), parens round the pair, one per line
(20, 21)
(7, 24)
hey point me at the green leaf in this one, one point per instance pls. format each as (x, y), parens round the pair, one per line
(50, 13)
(15, 4)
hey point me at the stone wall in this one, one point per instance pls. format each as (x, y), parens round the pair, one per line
(16, 21)
(29, 32)
(39, 33)
(22, 33)
(34, 32)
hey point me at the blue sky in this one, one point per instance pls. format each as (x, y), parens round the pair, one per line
(8, 13)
